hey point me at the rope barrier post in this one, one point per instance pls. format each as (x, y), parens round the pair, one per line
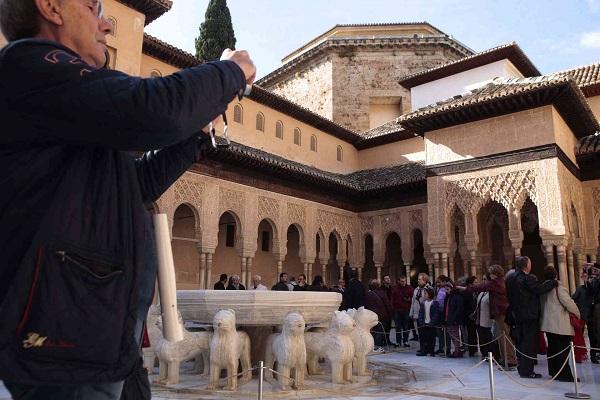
(504, 347)
(261, 373)
(575, 395)
(491, 364)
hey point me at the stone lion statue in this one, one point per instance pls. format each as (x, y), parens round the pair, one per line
(362, 338)
(227, 346)
(172, 354)
(154, 335)
(335, 344)
(289, 350)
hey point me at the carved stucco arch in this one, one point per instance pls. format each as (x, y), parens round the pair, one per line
(238, 229)
(506, 188)
(197, 220)
(301, 239)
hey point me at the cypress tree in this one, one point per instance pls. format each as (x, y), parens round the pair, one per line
(216, 32)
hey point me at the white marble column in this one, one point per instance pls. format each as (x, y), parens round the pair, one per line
(378, 267)
(436, 267)
(430, 268)
(444, 264)
(279, 268)
(577, 269)
(360, 274)
(305, 265)
(324, 273)
(473, 255)
(549, 253)
(248, 282)
(451, 268)
(310, 273)
(243, 261)
(202, 272)
(562, 265)
(571, 271)
(209, 270)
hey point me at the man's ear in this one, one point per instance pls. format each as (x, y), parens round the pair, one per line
(50, 10)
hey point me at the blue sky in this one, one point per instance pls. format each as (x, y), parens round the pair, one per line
(554, 34)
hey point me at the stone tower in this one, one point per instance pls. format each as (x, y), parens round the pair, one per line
(350, 73)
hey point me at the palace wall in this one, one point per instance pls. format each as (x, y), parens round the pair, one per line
(324, 158)
(150, 64)
(125, 45)
(357, 80)
(402, 152)
(506, 133)
(594, 103)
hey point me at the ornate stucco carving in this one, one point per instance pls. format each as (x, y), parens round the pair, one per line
(296, 214)
(391, 223)
(230, 199)
(188, 191)
(415, 219)
(507, 189)
(268, 208)
(596, 199)
(365, 225)
(329, 221)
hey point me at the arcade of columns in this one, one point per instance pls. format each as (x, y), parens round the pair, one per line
(327, 238)
(473, 220)
(537, 208)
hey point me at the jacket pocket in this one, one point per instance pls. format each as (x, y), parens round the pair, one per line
(76, 309)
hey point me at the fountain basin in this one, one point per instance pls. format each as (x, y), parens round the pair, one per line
(257, 307)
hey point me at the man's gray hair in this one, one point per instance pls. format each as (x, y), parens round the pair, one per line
(19, 19)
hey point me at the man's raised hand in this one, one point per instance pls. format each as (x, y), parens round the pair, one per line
(243, 60)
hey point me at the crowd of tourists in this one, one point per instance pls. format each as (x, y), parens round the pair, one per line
(510, 314)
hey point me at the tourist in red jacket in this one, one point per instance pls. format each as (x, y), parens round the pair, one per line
(401, 302)
(498, 306)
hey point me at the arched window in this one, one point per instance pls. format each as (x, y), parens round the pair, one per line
(155, 73)
(260, 122)
(313, 143)
(238, 114)
(340, 154)
(279, 130)
(113, 23)
(297, 137)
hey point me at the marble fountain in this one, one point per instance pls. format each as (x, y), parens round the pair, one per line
(258, 312)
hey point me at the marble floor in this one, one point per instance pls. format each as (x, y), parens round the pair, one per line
(400, 375)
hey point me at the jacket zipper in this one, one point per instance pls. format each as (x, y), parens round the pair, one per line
(64, 256)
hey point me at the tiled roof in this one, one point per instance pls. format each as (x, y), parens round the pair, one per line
(387, 24)
(389, 132)
(510, 51)
(165, 52)
(588, 145)
(152, 9)
(356, 183)
(504, 96)
(587, 77)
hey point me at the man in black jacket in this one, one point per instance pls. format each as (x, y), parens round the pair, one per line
(222, 282)
(524, 292)
(354, 295)
(72, 208)
(282, 285)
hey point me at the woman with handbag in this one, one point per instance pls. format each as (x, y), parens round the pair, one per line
(557, 306)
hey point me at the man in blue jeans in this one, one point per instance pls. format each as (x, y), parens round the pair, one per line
(79, 266)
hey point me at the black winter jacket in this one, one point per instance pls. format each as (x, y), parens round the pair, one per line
(524, 292)
(454, 310)
(79, 265)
